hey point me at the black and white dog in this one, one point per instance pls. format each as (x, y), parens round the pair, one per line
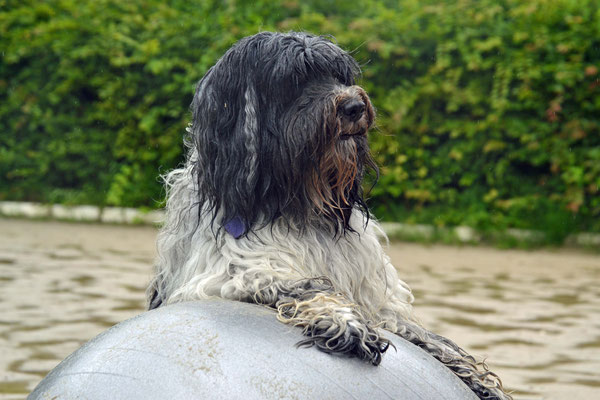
(269, 208)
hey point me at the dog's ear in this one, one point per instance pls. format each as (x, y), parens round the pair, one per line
(250, 137)
(226, 144)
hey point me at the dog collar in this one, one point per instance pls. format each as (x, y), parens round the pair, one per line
(235, 227)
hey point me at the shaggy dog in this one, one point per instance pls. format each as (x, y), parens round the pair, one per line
(268, 208)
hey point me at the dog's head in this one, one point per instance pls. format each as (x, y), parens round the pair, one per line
(280, 130)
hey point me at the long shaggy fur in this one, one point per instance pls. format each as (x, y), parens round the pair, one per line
(269, 209)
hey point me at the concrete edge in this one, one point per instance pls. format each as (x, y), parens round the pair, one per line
(123, 215)
(466, 234)
(114, 215)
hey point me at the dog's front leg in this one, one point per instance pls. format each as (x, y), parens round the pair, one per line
(332, 323)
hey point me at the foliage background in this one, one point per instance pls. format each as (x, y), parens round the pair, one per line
(488, 110)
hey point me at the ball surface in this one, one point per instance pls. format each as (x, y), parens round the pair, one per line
(220, 349)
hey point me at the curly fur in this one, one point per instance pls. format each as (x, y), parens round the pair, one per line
(277, 147)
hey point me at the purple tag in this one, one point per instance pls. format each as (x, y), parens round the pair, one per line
(235, 227)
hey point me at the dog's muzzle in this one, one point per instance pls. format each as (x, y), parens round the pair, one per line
(352, 113)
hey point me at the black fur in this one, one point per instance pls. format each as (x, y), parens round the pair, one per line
(257, 119)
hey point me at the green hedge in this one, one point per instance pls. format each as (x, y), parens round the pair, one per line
(489, 111)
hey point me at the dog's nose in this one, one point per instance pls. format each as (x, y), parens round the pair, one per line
(353, 109)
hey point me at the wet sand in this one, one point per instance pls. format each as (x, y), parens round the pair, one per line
(534, 315)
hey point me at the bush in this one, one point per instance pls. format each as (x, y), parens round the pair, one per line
(488, 110)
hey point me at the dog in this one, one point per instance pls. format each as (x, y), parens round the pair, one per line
(269, 207)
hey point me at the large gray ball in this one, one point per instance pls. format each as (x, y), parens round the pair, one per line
(229, 350)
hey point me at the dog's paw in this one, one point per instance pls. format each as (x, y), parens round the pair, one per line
(361, 341)
(334, 325)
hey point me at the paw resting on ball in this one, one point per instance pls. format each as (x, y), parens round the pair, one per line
(334, 327)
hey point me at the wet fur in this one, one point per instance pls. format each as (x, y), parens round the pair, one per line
(272, 147)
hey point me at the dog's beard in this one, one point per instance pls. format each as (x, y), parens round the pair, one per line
(334, 186)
